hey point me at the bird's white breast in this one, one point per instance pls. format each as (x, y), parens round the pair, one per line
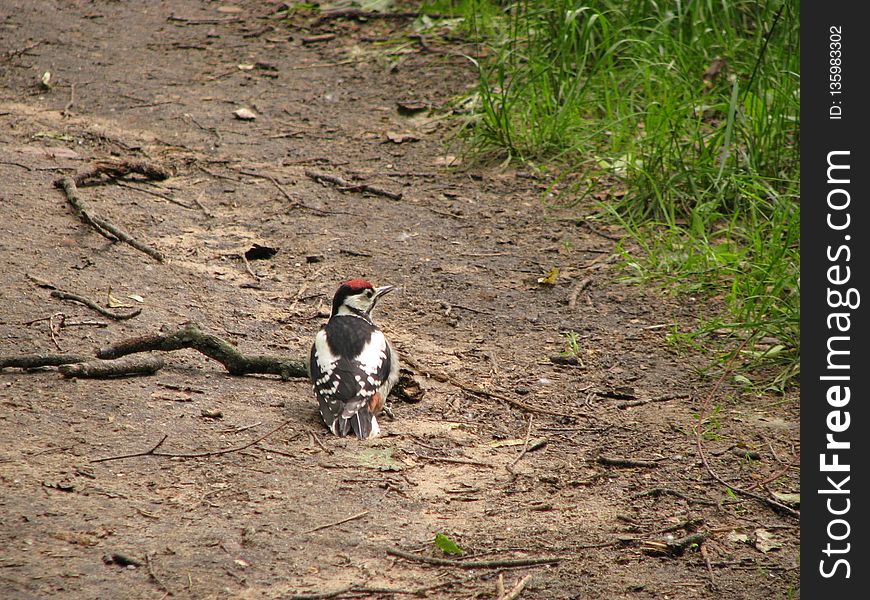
(371, 358)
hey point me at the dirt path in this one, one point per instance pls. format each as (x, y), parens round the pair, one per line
(160, 81)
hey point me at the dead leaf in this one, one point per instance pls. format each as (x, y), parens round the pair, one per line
(737, 537)
(378, 458)
(77, 538)
(136, 297)
(401, 138)
(113, 302)
(407, 388)
(534, 444)
(63, 486)
(258, 252)
(448, 160)
(53, 135)
(793, 500)
(609, 193)
(245, 114)
(246, 67)
(765, 541)
(411, 107)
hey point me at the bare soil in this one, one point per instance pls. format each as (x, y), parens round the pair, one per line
(160, 81)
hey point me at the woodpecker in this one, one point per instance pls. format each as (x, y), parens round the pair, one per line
(352, 366)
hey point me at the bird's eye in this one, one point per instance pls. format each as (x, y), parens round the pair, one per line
(369, 293)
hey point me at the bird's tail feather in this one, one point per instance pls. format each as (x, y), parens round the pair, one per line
(356, 418)
(364, 424)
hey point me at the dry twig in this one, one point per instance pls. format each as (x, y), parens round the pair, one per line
(346, 186)
(295, 202)
(665, 398)
(154, 451)
(102, 226)
(517, 589)
(476, 564)
(63, 295)
(478, 391)
(166, 197)
(525, 449)
(339, 522)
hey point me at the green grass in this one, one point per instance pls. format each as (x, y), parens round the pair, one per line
(613, 95)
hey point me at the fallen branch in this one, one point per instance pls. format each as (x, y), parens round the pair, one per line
(346, 186)
(359, 14)
(706, 556)
(34, 361)
(102, 226)
(476, 564)
(320, 595)
(675, 547)
(105, 171)
(191, 336)
(665, 398)
(354, 591)
(658, 491)
(612, 461)
(186, 21)
(105, 369)
(63, 295)
(455, 461)
(154, 451)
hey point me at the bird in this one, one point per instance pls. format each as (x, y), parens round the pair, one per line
(352, 365)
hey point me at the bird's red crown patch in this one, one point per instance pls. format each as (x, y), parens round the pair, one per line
(358, 285)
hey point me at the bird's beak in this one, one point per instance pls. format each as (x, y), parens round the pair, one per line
(378, 293)
(383, 290)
